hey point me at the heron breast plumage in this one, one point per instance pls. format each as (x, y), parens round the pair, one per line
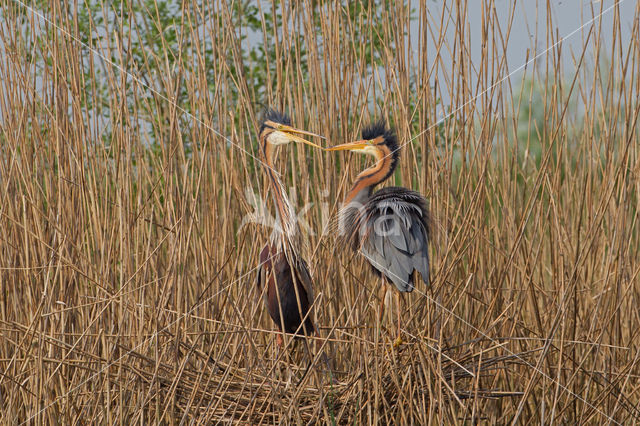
(392, 231)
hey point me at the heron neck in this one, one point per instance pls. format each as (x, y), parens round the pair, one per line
(369, 178)
(285, 215)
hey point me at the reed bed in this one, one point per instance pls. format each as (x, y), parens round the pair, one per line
(130, 181)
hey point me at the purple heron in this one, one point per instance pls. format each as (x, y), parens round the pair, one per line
(289, 290)
(391, 227)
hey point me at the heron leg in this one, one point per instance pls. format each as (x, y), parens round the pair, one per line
(279, 340)
(398, 341)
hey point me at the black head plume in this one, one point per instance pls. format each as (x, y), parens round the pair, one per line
(276, 116)
(379, 128)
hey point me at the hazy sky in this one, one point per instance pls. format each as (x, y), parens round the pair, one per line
(568, 19)
(529, 19)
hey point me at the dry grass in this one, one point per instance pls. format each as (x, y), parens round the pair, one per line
(127, 285)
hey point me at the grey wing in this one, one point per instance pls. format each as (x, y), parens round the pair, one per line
(396, 236)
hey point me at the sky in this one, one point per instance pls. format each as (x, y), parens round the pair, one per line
(530, 17)
(570, 20)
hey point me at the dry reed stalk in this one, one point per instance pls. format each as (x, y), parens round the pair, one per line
(127, 282)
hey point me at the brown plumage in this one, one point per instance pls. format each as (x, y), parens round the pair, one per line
(291, 287)
(289, 291)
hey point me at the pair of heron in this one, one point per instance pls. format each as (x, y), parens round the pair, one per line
(389, 227)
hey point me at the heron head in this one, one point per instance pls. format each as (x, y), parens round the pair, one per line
(277, 130)
(377, 140)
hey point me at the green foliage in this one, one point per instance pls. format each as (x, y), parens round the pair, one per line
(152, 43)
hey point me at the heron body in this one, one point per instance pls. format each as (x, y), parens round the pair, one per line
(289, 290)
(288, 295)
(391, 227)
(392, 231)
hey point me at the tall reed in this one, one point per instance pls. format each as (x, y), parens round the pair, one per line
(129, 165)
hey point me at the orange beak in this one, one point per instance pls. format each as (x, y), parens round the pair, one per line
(351, 146)
(292, 133)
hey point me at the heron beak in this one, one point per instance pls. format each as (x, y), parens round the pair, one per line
(292, 133)
(351, 146)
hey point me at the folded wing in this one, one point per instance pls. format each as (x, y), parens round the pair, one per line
(393, 228)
